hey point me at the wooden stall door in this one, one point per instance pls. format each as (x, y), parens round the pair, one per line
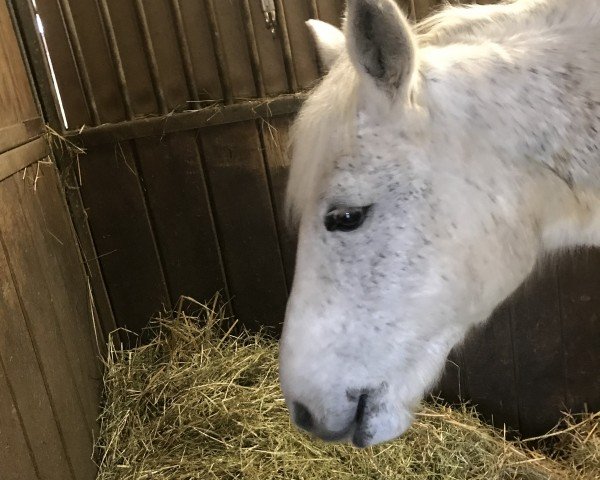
(49, 353)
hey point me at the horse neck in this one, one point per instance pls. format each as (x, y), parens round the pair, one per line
(531, 99)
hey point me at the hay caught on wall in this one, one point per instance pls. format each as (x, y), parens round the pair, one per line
(201, 403)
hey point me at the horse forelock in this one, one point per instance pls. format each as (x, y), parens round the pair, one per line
(323, 130)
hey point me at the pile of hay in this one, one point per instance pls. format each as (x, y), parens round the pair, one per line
(200, 403)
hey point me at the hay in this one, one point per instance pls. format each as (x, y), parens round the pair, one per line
(200, 403)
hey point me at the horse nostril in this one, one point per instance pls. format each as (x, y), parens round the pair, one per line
(303, 417)
(360, 409)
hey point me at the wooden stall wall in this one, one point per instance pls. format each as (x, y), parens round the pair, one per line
(49, 368)
(184, 107)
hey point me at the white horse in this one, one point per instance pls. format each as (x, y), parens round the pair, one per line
(431, 169)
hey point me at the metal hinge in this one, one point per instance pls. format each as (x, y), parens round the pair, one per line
(268, 7)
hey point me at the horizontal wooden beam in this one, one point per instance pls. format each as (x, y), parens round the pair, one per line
(16, 135)
(190, 120)
(18, 158)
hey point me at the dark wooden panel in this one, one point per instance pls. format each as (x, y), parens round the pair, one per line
(579, 280)
(36, 299)
(303, 52)
(16, 458)
(490, 371)
(16, 99)
(271, 56)
(231, 30)
(537, 344)
(453, 386)
(100, 67)
(331, 11)
(123, 235)
(28, 385)
(246, 226)
(174, 182)
(201, 48)
(172, 76)
(44, 213)
(131, 50)
(275, 139)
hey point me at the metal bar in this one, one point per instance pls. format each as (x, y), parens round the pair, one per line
(219, 52)
(151, 57)
(80, 61)
(313, 9)
(284, 38)
(184, 48)
(190, 120)
(253, 49)
(116, 57)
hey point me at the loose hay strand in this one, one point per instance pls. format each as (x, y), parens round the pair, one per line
(200, 402)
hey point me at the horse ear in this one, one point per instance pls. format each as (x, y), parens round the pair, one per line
(329, 39)
(381, 43)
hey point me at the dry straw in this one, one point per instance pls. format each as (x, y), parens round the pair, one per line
(202, 403)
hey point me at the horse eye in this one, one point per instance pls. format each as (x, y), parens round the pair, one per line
(345, 219)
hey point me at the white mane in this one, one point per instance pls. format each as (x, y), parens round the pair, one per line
(327, 118)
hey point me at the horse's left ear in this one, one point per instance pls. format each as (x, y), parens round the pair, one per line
(381, 44)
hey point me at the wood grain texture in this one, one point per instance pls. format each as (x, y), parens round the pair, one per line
(579, 282)
(16, 457)
(16, 98)
(538, 356)
(36, 296)
(489, 369)
(275, 139)
(175, 185)
(28, 386)
(245, 222)
(18, 158)
(44, 213)
(123, 234)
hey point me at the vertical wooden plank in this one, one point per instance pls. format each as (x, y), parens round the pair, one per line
(16, 457)
(490, 370)
(579, 281)
(69, 315)
(59, 226)
(36, 301)
(275, 139)
(537, 341)
(244, 215)
(122, 232)
(16, 99)
(177, 197)
(28, 386)
(453, 387)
